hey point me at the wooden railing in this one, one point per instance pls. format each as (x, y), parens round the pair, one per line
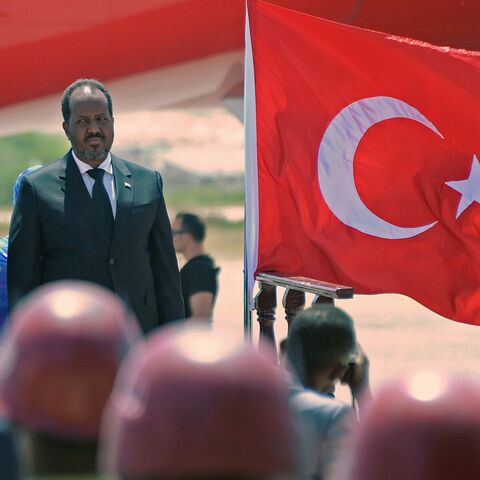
(293, 300)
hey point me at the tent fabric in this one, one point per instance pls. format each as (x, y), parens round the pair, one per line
(46, 45)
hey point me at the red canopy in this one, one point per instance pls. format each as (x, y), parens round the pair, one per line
(46, 45)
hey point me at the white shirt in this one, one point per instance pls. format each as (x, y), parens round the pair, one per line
(108, 178)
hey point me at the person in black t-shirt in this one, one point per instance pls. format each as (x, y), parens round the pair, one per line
(199, 274)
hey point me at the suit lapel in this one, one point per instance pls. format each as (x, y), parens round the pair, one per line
(124, 190)
(74, 187)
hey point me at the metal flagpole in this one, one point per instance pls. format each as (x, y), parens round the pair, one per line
(251, 185)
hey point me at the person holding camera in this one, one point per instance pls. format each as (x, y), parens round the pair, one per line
(322, 350)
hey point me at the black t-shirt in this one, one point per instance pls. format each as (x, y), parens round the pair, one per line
(198, 275)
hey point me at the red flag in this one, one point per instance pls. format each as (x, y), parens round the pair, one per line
(364, 146)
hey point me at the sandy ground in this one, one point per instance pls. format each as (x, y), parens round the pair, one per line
(399, 335)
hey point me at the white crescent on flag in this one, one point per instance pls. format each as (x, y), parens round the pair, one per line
(335, 164)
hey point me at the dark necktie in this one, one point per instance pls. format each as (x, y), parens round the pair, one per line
(102, 201)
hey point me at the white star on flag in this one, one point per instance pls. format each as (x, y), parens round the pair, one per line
(469, 188)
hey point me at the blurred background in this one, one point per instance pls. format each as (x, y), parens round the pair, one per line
(175, 72)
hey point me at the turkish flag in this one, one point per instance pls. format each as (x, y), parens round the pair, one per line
(362, 160)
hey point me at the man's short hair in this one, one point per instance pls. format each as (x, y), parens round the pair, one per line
(319, 336)
(193, 225)
(83, 82)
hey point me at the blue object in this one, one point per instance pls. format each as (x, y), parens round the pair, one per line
(16, 186)
(3, 281)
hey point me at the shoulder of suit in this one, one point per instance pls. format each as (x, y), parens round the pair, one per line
(48, 170)
(133, 167)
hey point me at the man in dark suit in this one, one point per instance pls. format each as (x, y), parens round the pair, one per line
(95, 217)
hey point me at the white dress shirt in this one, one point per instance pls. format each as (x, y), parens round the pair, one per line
(108, 178)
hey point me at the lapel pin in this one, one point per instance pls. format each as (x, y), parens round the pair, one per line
(127, 185)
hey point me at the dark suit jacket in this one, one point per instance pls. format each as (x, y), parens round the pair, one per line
(56, 234)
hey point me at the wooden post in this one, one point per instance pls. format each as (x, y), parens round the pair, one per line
(266, 304)
(293, 302)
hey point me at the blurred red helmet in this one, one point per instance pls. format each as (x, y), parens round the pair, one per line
(423, 428)
(191, 402)
(59, 357)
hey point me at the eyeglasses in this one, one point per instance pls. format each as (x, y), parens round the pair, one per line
(177, 232)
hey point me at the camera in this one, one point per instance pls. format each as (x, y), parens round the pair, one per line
(348, 375)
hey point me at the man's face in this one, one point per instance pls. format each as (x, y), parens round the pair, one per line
(90, 128)
(178, 236)
(326, 379)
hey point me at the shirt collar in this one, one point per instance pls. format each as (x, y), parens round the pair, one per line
(84, 167)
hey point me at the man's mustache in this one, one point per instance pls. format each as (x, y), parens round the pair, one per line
(96, 135)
